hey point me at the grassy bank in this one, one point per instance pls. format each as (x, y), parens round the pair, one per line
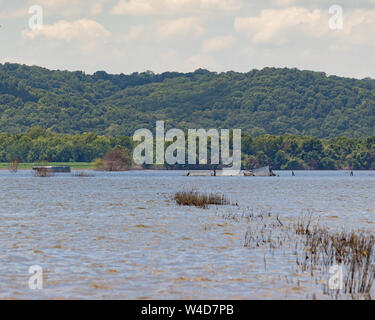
(73, 165)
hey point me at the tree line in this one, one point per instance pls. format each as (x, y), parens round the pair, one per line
(268, 101)
(280, 152)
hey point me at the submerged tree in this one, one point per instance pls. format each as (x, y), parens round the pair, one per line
(13, 166)
(117, 159)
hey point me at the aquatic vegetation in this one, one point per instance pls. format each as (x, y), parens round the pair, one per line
(353, 251)
(303, 224)
(198, 199)
(117, 159)
(317, 250)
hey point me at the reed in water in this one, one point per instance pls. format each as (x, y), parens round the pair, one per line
(354, 251)
(198, 199)
(317, 249)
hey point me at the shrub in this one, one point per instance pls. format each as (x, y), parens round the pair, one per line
(117, 159)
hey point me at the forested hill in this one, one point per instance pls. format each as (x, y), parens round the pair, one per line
(273, 101)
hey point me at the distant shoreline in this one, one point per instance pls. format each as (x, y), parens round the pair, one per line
(84, 166)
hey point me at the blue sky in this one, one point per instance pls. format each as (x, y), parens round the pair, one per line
(124, 36)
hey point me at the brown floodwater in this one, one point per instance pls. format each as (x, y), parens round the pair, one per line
(121, 236)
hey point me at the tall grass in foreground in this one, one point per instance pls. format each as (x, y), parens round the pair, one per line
(316, 249)
(354, 251)
(200, 200)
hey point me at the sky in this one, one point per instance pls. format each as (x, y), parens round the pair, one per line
(125, 36)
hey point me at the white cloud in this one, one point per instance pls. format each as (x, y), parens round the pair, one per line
(168, 34)
(163, 7)
(284, 25)
(82, 29)
(360, 25)
(190, 26)
(357, 32)
(68, 8)
(217, 43)
(96, 8)
(325, 3)
(270, 24)
(134, 33)
(62, 8)
(133, 7)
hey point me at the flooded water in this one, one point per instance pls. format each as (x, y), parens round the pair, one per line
(121, 236)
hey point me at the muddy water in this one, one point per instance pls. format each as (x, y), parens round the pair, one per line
(120, 236)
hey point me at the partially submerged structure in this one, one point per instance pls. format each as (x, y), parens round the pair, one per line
(51, 169)
(260, 172)
(263, 172)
